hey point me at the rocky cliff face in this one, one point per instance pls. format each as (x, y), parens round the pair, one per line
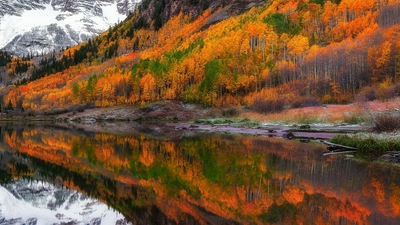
(40, 26)
(160, 11)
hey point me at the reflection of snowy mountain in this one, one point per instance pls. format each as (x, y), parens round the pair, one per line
(44, 25)
(33, 202)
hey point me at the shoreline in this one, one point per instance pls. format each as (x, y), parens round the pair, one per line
(311, 132)
(336, 135)
(288, 132)
(179, 116)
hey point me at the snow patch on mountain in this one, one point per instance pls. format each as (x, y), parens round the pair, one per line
(12, 25)
(29, 27)
(36, 202)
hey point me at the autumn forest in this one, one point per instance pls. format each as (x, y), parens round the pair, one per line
(282, 50)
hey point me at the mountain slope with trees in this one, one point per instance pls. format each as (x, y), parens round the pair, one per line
(277, 53)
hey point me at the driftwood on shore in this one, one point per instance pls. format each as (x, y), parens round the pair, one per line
(333, 146)
(337, 153)
(335, 149)
(277, 131)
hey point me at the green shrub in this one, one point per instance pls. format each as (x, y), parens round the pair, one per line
(369, 146)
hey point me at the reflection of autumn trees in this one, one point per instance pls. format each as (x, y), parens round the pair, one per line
(237, 178)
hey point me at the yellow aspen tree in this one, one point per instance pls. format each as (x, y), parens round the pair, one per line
(147, 85)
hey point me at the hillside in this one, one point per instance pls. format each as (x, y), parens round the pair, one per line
(279, 53)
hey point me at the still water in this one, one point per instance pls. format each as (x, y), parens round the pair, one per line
(139, 174)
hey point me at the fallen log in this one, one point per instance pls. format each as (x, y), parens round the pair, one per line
(338, 146)
(336, 153)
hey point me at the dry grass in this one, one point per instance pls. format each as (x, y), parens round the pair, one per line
(386, 123)
(354, 113)
(315, 114)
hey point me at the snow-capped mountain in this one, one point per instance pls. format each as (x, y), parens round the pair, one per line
(40, 26)
(34, 202)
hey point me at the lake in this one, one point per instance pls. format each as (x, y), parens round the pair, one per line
(132, 173)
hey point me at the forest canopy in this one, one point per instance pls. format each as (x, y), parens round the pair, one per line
(291, 49)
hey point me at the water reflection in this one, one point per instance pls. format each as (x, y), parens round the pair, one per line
(38, 202)
(204, 178)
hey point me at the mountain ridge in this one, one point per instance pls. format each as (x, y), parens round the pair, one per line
(37, 27)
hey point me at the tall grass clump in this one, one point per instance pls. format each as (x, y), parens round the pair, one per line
(386, 123)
